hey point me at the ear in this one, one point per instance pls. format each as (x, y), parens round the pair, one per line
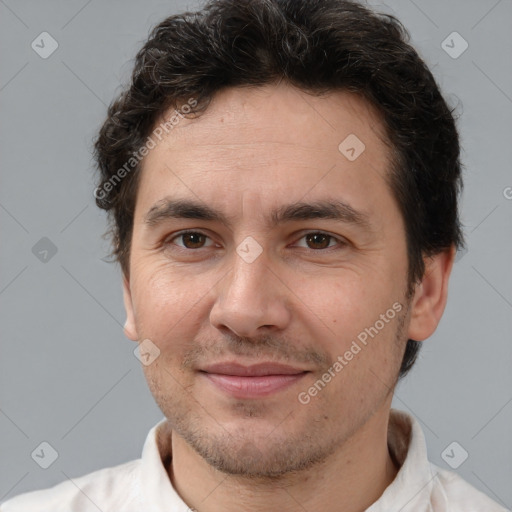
(430, 295)
(130, 329)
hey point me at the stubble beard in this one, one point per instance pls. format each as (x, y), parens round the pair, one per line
(250, 453)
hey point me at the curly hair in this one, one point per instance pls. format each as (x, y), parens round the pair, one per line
(318, 46)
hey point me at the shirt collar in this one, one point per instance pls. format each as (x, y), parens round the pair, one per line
(157, 491)
(411, 490)
(415, 483)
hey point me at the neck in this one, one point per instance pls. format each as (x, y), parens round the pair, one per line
(351, 479)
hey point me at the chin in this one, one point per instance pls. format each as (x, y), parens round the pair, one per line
(259, 450)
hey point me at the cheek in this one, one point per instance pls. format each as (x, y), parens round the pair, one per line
(164, 299)
(342, 302)
(347, 311)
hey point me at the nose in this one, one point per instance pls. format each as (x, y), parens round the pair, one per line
(251, 299)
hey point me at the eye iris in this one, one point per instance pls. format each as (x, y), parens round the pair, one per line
(318, 238)
(193, 240)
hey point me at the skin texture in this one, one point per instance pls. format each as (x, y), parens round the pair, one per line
(301, 302)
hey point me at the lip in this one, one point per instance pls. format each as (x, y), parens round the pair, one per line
(254, 370)
(254, 381)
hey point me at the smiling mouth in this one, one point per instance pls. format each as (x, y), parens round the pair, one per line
(254, 381)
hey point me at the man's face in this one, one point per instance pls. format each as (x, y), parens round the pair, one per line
(270, 283)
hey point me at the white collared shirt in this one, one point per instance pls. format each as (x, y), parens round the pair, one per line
(143, 485)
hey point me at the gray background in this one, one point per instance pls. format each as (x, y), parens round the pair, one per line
(68, 375)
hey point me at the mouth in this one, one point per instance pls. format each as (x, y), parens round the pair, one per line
(254, 381)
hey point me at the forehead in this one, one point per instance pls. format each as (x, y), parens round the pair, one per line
(280, 114)
(269, 139)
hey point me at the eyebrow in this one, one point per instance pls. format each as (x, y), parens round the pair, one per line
(338, 210)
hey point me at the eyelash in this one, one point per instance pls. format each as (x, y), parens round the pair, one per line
(341, 243)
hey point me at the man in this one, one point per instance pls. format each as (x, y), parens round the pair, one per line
(282, 180)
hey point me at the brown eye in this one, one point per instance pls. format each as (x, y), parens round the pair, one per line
(318, 240)
(190, 240)
(193, 240)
